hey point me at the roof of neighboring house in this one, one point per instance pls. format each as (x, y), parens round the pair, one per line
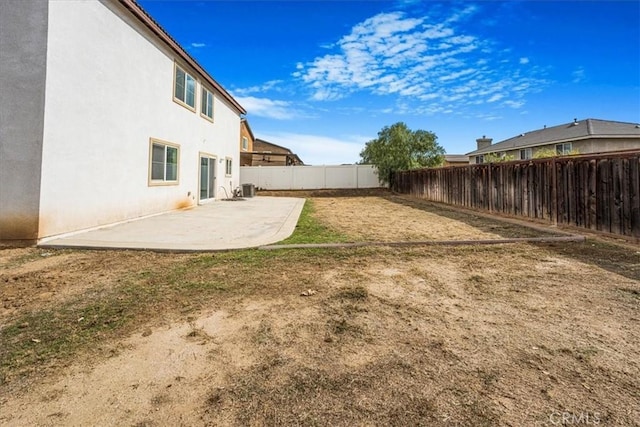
(246, 125)
(573, 131)
(285, 150)
(162, 34)
(456, 158)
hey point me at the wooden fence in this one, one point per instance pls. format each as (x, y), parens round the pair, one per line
(597, 192)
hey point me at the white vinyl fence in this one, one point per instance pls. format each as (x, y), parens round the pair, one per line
(310, 177)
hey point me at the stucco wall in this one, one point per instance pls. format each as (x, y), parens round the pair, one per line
(244, 132)
(605, 145)
(589, 146)
(109, 90)
(23, 44)
(245, 157)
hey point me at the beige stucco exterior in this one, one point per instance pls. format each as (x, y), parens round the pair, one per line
(246, 143)
(589, 146)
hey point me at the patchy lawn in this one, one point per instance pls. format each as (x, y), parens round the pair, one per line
(514, 334)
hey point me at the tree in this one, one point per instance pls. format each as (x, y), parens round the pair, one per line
(498, 158)
(542, 153)
(399, 148)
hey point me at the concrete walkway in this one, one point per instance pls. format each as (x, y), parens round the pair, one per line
(219, 225)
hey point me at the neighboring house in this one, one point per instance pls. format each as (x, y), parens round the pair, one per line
(268, 154)
(104, 118)
(246, 143)
(583, 137)
(455, 160)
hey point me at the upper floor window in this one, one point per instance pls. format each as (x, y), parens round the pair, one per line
(184, 88)
(562, 149)
(206, 104)
(228, 168)
(163, 166)
(245, 143)
(526, 154)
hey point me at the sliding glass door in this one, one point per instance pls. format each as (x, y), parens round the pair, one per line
(207, 177)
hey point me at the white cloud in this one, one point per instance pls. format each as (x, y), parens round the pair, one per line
(405, 3)
(318, 149)
(197, 45)
(265, 87)
(514, 104)
(419, 58)
(457, 75)
(462, 14)
(326, 95)
(578, 75)
(489, 117)
(264, 107)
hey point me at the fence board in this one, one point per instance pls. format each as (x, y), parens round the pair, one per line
(634, 195)
(593, 184)
(598, 192)
(626, 189)
(616, 209)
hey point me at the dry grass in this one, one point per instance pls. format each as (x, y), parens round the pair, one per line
(492, 335)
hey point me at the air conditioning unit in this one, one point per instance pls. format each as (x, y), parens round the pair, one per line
(248, 190)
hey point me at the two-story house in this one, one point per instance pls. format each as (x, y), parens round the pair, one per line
(246, 143)
(267, 153)
(104, 117)
(577, 137)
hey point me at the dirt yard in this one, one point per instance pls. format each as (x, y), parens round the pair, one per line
(497, 335)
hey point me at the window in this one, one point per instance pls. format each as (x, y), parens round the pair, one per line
(184, 88)
(526, 154)
(479, 159)
(563, 149)
(206, 104)
(227, 170)
(245, 143)
(164, 162)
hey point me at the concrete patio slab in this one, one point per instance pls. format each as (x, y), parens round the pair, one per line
(219, 225)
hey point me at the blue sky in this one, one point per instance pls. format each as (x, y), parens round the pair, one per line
(323, 77)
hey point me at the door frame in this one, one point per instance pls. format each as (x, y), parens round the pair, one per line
(213, 159)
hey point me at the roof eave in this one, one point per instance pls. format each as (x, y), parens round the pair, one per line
(156, 29)
(272, 144)
(246, 123)
(492, 148)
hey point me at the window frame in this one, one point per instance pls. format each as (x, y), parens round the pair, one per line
(528, 153)
(228, 166)
(166, 145)
(561, 149)
(204, 97)
(187, 75)
(245, 143)
(479, 159)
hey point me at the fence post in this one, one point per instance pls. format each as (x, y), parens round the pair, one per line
(490, 190)
(554, 191)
